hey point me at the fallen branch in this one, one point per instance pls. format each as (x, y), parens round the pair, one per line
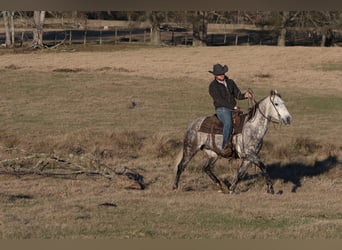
(52, 165)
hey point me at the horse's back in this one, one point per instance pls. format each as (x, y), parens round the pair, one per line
(195, 125)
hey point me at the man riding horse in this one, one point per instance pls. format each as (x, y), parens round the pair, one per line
(224, 91)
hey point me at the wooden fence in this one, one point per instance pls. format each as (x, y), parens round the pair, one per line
(172, 37)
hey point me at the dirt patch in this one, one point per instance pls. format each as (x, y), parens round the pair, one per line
(68, 70)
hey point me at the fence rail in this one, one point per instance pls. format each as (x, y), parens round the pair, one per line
(174, 37)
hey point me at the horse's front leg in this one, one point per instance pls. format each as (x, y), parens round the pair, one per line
(262, 167)
(240, 173)
(269, 183)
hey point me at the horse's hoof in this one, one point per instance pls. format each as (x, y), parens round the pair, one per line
(223, 191)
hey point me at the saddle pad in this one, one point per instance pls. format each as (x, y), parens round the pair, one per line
(213, 125)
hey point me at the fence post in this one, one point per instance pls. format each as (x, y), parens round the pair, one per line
(236, 39)
(85, 37)
(100, 37)
(173, 37)
(116, 35)
(225, 34)
(70, 37)
(22, 38)
(130, 36)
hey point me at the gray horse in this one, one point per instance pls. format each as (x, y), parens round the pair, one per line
(247, 144)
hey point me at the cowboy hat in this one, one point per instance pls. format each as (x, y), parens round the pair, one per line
(218, 69)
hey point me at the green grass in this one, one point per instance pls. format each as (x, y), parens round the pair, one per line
(330, 66)
(329, 104)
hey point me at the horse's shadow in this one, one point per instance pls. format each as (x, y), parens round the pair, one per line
(294, 172)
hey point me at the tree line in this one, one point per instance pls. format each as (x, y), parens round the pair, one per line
(323, 23)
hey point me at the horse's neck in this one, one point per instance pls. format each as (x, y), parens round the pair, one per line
(260, 122)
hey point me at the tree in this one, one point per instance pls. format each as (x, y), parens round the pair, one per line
(200, 28)
(155, 18)
(195, 20)
(38, 22)
(283, 28)
(324, 22)
(9, 27)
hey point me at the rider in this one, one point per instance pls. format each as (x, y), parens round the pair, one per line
(224, 91)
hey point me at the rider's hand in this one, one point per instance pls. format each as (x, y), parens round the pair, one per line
(248, 94)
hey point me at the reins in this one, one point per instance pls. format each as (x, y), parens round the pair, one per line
(253, 104)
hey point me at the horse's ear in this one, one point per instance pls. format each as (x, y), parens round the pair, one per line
(275, 92)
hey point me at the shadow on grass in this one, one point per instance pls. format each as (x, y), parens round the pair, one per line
(292, 172)
(296, 171)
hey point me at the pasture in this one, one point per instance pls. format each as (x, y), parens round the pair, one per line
(76, 105)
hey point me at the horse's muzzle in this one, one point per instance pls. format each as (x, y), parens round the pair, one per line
(287, 120)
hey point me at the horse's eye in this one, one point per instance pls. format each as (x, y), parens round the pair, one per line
(276, 104)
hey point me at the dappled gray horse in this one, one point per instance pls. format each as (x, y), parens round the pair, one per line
(247, 144)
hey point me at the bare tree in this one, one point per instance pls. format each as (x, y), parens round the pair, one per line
(12, 27)
(283, 28)
(9, 27)
(156, 18)
(324, 22)
(38, 22)
(200, 28)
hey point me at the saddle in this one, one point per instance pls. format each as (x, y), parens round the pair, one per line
(212, 125)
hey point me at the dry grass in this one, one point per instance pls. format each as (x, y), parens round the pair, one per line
(79, 104)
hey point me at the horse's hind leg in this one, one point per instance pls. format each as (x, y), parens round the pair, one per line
(187, 156)
(207, 168)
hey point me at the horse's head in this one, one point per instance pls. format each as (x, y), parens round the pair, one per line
(278, 110)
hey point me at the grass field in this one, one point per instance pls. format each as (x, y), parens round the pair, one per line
(75, 104)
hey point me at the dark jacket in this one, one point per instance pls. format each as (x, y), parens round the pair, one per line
(225, 97)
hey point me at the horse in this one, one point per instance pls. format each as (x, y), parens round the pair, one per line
(247, 144)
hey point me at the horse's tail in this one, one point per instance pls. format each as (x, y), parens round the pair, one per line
(178, 159)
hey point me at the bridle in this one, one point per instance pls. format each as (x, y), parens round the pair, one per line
(275, 108)
(272, 96)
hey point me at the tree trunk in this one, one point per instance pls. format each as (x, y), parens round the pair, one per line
(324, 38)
(5, 15)
(38, 19)
(155, 35)
(155, 28)
(200, 28)
(327, 37)
(12, 28)
(282, 36)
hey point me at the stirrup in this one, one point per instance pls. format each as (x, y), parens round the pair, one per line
(226, 152)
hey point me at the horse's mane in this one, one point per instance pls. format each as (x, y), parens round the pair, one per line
(252, 111)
